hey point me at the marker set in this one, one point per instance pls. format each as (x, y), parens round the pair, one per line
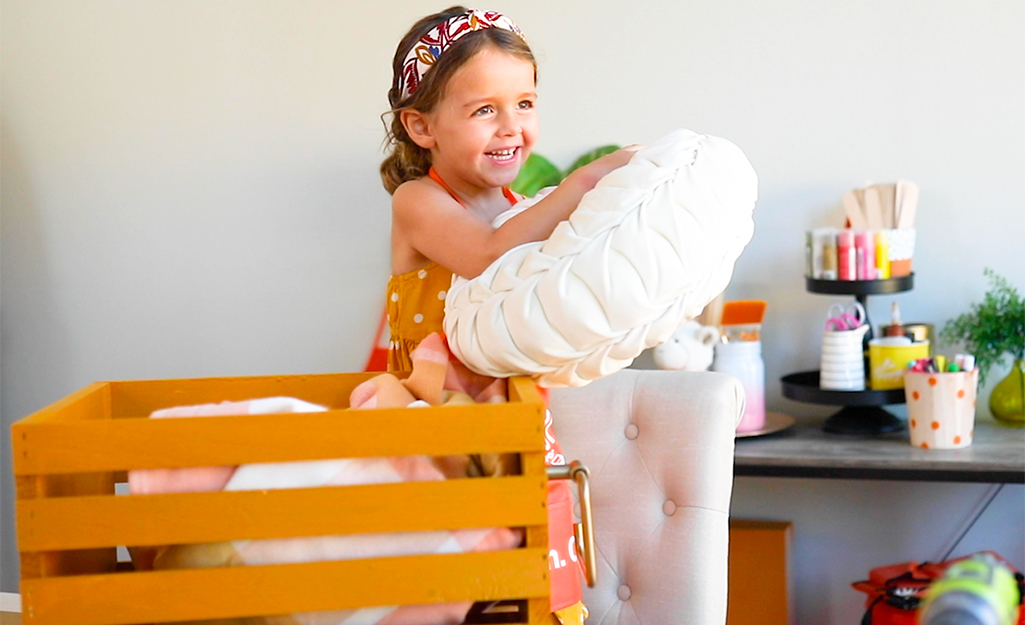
(938, 364)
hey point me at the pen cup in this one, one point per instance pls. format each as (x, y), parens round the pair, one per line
(941, 408)
(901, 251)
(843, 360)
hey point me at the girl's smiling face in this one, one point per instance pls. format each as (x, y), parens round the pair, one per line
(486, 123)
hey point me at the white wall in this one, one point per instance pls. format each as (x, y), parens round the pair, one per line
(189, 188)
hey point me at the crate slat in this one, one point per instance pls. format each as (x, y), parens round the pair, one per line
(523, 390)
(166, 596)
(120, 444)
(538, 608)
(91, 402)
(151, 520)
(33, 489)
(141, 397)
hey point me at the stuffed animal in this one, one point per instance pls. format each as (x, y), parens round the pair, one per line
(690, 348)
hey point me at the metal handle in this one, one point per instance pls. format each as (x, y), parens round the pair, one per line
(584, 530)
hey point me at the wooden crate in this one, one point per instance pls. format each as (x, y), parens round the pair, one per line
(68, 457)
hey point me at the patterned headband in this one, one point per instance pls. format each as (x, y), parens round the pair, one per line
(425, 52)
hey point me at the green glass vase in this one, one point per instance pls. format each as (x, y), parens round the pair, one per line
(1007, 402)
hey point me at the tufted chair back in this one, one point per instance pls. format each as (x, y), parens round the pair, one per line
(659, 446)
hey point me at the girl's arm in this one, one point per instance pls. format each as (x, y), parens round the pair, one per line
(426, 219)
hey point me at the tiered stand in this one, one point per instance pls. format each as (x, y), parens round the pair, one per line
(862, 412)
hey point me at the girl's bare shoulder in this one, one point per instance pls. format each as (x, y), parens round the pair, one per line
(420, 196)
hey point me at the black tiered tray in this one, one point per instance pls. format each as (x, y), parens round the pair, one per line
(861, 413)
(861, 287)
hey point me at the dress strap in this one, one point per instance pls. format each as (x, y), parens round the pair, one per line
(506, 191)
(436, 178)
(509, 195)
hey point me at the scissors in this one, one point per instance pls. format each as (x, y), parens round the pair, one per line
(845, 317)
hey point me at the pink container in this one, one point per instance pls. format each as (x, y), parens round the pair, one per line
(743, 360)
(941, 408)
(865, 248)
(846, 255)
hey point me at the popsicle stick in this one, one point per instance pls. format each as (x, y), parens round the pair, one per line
(852, 208)
(909, 206)
(873, 208)
(898, 200)
(887, 200)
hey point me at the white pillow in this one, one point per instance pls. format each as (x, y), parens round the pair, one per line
(644, 251)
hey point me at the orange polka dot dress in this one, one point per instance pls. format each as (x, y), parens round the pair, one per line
(416, 301)
(416, 308)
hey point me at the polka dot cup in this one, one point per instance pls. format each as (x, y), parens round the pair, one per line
(941, 408)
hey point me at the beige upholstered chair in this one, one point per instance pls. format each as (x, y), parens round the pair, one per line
(659, 446)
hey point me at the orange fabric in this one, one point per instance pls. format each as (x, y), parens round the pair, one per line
(378, 359)
(506, 191)
(416, 309)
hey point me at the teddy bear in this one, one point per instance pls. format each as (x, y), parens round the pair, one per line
(690, 348)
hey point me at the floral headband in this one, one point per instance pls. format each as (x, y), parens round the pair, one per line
(425, 52)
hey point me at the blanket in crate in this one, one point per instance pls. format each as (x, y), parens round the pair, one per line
(644, 251)
(423, 387)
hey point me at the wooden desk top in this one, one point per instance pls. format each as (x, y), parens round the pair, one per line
(996, 455)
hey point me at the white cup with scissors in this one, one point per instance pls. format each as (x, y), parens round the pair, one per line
(843, 357)
(843, 318)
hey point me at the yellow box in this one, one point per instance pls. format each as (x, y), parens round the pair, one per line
(68, 457)
(888, 362)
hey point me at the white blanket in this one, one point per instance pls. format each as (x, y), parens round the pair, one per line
(644, 251)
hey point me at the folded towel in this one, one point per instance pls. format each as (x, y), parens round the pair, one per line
(205, 479)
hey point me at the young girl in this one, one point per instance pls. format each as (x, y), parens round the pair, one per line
(464, 120)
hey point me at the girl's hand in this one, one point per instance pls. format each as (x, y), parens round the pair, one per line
(589, 175)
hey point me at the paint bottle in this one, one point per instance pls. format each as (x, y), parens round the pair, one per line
(882, 255)
(865, 259)
(812, 256)
(895, 328)
(846, 256)
(827, 239)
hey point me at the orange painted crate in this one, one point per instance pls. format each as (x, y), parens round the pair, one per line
(68, 457)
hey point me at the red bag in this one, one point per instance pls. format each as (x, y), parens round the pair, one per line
(378, 360)
(895, 591)
(564, 567)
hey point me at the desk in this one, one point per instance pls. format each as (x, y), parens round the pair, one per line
(997, 455)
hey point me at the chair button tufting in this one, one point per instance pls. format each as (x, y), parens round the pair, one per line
(623, 592)
(631, 431)
(669, 507)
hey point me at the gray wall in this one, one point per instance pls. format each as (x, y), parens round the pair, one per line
(189, 188)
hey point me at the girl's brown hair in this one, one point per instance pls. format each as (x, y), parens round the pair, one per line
(408, 161)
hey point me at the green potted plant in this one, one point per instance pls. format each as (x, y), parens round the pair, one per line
(993, 330)
(539, 172)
